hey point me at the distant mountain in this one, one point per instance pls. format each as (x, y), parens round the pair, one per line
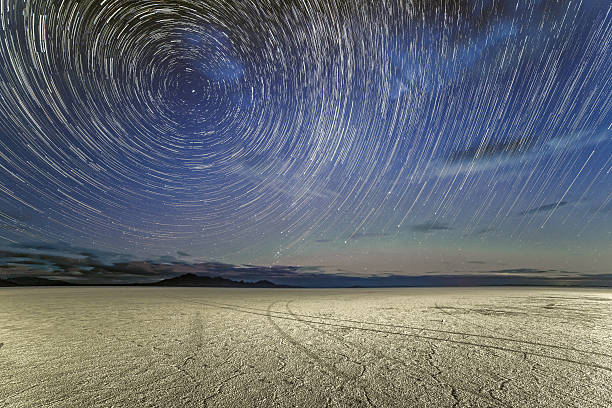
(185, 280)
(31, 281)
(523, 277)
(190, 279)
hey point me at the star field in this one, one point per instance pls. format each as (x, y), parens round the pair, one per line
(368, 137)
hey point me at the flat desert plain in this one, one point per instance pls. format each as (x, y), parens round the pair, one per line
(213, 347)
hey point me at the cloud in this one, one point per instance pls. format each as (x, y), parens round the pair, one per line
(430, 226)
(544, 208)
(514, 152)
(63, 249)
(87, 266)
(88, 270)
(606, 276)
(483, 231)
(437, 54)
(492, 150)
(166, 259)
(522, 271)
(363, 235)
(578, 140)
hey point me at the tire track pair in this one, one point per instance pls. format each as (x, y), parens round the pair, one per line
(451, 388)
(325, 322)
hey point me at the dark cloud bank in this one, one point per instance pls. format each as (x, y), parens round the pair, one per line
(544, 208)
(82, 266)
(430, 226)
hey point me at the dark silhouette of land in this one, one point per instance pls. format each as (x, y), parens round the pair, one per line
(32, 281)
(337, 281)
(193, 280)
(185, 280)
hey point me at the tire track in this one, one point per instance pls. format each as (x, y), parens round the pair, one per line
(452, 388)
(398, 326)
(255, 311)
(328, 367)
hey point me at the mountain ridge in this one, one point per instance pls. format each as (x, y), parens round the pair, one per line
(184, 280)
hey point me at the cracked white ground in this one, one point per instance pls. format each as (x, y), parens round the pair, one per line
(195, 347)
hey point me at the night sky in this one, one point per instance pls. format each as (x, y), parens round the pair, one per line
(347, 137)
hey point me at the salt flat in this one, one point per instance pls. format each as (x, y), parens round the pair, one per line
(195, 347)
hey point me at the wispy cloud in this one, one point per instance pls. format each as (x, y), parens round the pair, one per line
(493, 150)
(61, 260)
(544, 208)
(62, 249)
(523, 271)
(430, 226)
(83, 269)
(515, 152)
(323, 240)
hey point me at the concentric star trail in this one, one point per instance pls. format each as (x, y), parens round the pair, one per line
(324, 133)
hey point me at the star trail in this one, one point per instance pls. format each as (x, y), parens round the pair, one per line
(386, 137)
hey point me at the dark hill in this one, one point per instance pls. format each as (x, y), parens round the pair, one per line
(190, 279)
(31, 281)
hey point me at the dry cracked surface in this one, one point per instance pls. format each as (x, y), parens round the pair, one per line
(209, 347)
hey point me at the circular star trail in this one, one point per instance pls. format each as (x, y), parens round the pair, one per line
(151, 126)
